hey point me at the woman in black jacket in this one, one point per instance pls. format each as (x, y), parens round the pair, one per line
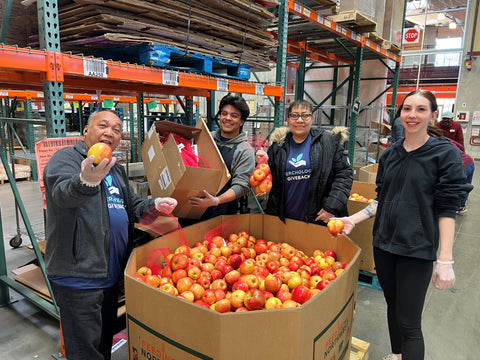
(420, 185)
(311, 174)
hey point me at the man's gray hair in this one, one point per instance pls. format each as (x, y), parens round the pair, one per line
(93, 114)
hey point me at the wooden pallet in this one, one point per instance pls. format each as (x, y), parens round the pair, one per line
(394, 48)
(359, 349)
(377, 39)
(27, 178)
(355, 20)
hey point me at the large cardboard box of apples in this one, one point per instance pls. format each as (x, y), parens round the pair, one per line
(168, 175)
(362, 233)
(162, 326)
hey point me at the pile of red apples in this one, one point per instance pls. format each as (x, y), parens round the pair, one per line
(242, 273)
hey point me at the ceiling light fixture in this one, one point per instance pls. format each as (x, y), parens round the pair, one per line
(441, 16)
(452, 25)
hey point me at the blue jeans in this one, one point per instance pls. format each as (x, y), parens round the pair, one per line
(470, 170)
(88, 319)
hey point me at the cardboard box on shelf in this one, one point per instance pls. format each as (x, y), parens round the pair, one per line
(161, 325)
(385, 129)
(375, 150)
(362, 232)
(368, 173)
(168, 175)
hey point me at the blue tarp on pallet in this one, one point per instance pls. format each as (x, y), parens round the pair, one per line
(152, 54)
(169, 56)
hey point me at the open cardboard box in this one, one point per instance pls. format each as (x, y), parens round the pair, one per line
(163, 326)
(168, 175)
(368, 174)
(362, 232)
(385, 129)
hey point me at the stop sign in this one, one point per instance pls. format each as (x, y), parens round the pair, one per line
(411, 36)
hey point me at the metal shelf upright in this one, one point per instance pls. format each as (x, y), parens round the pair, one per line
(312, 37)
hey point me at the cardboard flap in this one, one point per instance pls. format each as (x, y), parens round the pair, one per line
(153, 160)
(169, 126)
(174, 159)
(214, 158)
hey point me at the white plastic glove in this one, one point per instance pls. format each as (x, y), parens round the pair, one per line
(348, 224)
(261, 156)
(165, 204)
(91, 175)
(443, 275)
(205, 202)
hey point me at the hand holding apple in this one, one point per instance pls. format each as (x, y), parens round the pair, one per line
(348, 225)
(335, 227)
(91, 175)
(100, 151)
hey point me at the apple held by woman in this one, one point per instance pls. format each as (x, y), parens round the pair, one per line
(335, 227)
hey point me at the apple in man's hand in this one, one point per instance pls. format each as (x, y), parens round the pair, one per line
(100, 151)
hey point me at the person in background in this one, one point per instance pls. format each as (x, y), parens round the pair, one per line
(470, 169)
(311, 174)
(420, 185)
(237, 154)
(451, 128)
(398, 132)
(91, 211)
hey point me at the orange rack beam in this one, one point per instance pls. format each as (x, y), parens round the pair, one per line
(27, 67)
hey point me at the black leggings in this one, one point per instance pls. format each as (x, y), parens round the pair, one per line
(404, 281)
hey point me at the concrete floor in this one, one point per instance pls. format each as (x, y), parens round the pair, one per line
(450, 322)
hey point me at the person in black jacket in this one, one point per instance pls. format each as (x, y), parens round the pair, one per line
(311, 174)
(398, 132)
(421, 182)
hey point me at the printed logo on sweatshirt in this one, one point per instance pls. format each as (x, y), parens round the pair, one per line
(298, 161)
(114, 199)
(112, 189)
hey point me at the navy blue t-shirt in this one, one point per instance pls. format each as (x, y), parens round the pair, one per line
(118, 241)
(297, 178)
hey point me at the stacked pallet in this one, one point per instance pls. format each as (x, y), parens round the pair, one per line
(232, 30)
(21, 172)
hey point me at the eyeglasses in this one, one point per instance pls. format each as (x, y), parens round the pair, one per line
(304, 116)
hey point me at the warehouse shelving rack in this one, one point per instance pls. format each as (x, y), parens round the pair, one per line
(306, 35)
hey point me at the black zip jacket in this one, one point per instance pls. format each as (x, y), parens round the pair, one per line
(78, 222)
(330, 181)
(414, 190)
